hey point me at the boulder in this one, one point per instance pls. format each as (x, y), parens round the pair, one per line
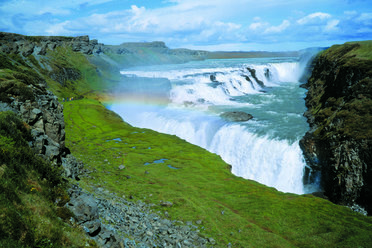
(52, 152)
(109, 238)
(72, 167)
(236, 116)
(84, 207)
(39, 125)
(92, 227)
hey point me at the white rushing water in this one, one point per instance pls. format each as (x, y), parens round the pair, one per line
(187, 100)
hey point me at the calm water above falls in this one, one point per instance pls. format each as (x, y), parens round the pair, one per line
(187, 100)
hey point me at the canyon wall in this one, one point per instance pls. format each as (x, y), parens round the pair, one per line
(338, 147)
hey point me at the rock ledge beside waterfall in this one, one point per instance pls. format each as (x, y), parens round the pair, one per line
(338, 146)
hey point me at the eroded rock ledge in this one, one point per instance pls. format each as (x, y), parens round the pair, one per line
(38, 45)
(339, 145)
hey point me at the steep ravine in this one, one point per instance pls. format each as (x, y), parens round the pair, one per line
(338, 147)
(124, 198)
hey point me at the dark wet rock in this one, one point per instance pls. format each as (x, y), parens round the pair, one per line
(213, 78)
(267, 74)
(248, 79)
(236, 116)
(338, 146)
(253, 74)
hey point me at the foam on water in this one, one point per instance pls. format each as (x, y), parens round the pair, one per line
(199, 92)
(274, 163)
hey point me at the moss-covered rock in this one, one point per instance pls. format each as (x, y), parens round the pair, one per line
(339, 103)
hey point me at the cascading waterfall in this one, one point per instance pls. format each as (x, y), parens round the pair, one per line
(264, 149)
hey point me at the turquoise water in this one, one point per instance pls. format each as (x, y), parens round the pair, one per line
(187, 100)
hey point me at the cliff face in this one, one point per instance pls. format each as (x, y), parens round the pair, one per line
(23, 90)
(339, 145)
(32, 145)
(38, 45)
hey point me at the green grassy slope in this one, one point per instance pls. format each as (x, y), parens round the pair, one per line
(233, 210)
(32, 194)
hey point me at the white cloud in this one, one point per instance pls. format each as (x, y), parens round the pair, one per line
(57, 29)
(277, 29)
(350, 12)
(187, 24)
(314, 18)
(365, 18)
(190, 22)
(332, 25)
(258, 25)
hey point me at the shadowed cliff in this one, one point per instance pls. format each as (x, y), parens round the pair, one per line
(339, 144)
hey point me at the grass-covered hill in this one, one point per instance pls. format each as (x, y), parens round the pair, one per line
(141, 164)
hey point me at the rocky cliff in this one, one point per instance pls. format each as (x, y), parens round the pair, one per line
(38, 45)
(125, 54)
(338, 147)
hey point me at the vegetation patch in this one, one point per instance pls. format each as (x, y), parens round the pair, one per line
(342, 106)
(231, 209)
(29, 191)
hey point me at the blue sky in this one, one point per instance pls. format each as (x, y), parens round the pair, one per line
(271, 25)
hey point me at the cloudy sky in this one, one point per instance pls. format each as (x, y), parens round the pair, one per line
(271, 25)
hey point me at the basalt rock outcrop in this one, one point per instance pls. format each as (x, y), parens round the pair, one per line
(44, 114)
(338, 147)
(23, 90)
(38, 45)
